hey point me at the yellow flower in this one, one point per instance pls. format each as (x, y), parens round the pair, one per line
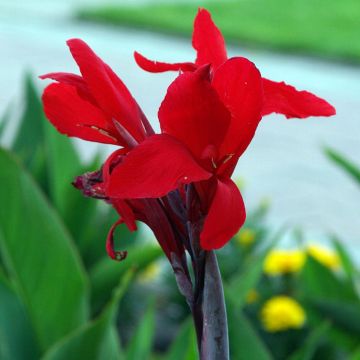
(279, 262)
(150, 273)
(326, 257)
(282, 313)
(252, 296)
(246, 237)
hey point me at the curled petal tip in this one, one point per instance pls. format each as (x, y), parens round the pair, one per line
(115, 255)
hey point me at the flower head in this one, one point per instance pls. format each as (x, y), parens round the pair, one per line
(325, 256)
(279, 262)
(282, 313)
(177, 182)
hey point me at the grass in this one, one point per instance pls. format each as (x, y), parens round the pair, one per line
(326, 28)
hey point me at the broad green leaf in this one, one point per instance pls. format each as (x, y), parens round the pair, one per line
(39, 256)
(29, 141)
(355, 355)
(346, 262)
(63, 164)
(184, 346)
(343, 314)
(242, 283)
(349, 167)
(106, 274)
(141, 343)
(17, 339)
(98, 339)
(5, 118)
(312, 342)
(244, 341)
(317, 281)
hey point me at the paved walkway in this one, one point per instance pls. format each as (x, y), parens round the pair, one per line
(284, 163)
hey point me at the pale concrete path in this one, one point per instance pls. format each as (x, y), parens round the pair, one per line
(284, 163)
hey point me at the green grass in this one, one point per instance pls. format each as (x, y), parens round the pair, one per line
(327, 28)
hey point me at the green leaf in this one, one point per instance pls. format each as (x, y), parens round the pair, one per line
(105, 275)
(17, 340)
(184, 347)
(29, 141)
(96, 340)
(141, 343)
(5, 118)
(242, 283)
(312, 342)
(317, 281)
(345, 258)
(39, 256)
(355, 355)
(244, 341)
(342, 314)
(63, 164)
(349, 167)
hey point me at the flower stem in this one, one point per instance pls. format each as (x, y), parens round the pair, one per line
(209, 313)
(215, 340)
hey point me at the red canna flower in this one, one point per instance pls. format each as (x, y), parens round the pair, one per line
(182, 177)
(207, 122)
(210, 47)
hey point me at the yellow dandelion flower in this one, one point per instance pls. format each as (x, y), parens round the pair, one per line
(252, 296)
(282, 313)
(325, 256)
(245, 237)
(150, 273)
(279, 262)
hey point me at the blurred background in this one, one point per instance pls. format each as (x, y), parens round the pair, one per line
(297, 178)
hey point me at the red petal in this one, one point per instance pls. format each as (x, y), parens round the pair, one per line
(153, 168)
(158, 67)
(193, 113)
(225, 217)
(208, 41)
(238, 83)
(285, 99)
(74, 80)
(73, 116)
(109, 91)
(126, 213)
(115, 255)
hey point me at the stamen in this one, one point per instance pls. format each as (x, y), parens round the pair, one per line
(102, 131)
(213, 163)
(228, 158)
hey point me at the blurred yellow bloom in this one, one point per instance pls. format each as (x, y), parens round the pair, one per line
(278, 262)
(282, 313)
(150, 273)
(252, 296)
(246, 237)
(326, 257)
